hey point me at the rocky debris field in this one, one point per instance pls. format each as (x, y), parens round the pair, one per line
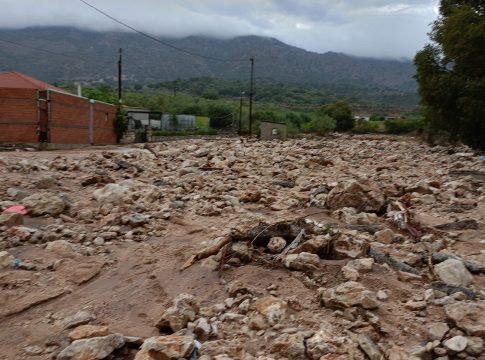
(339, 248)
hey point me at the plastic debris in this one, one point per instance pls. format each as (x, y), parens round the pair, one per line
(19, 209)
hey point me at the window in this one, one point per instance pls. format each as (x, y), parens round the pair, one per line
(274, 131)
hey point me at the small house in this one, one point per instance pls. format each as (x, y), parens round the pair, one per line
(362, 117)
(273, 130)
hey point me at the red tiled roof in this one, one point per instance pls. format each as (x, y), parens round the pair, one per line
(18, 80)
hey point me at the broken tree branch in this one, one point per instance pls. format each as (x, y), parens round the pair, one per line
(293, 244)
(451, 289)
(459, 225)
(395, 264)
(213, 249)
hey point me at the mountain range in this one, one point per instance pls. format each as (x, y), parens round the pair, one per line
(92, 57)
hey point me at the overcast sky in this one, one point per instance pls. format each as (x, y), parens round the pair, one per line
(376, 28)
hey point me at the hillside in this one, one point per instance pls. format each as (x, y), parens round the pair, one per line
(93, 57)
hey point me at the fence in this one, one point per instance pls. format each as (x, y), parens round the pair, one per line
(181, 122)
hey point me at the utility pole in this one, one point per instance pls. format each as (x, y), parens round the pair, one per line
(120, 63)
(174, 88)
(240, 113)
(251, 94)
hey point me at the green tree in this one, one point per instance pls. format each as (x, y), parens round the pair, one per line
(377, 117)
(121, 123)
(210, 95)
(294, 119)
(341, 112)
(319, 124)
(451, 72)
(220, 115)
(193, 109)
(101, 93)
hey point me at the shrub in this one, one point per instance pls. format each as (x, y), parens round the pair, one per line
(342, 114)
(320, 124)
(404, 126)
(369, 127)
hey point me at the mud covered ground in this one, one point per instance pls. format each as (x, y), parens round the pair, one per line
(388, 260)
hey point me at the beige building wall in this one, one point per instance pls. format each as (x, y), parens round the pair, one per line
(270, 131)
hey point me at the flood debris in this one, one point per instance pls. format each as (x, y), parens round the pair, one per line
(338, 248)
(459, 225)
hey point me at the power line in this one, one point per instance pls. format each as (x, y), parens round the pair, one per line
(158, 40)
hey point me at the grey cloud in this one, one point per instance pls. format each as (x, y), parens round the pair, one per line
(378, 28)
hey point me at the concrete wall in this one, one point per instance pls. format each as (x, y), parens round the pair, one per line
(270, 131)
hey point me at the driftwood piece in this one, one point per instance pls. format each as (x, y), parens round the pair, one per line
(474, 268)
(293, 244)
(459, 225)
(208, 251)
(450, 289)
(459, 208)
(401, 219)
(395, 264)
(261, 231)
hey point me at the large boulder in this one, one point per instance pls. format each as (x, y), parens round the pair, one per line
(364, 195)
(166, 347)
(126, 191)
(290, 346)
(10, 219)
(176, 317)
(276, 244)
(469, 317)
(453, 272)
(93, 348)
(456, 343)
(318, 244)
(88, 331)
(272, 308)
(44, 203)
(222, 349)
(350, 215)
(6, 260)
(301, 261)
(325, 342)
(349, 294)
(111, 194)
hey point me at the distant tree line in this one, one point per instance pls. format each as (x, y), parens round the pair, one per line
(224, 113)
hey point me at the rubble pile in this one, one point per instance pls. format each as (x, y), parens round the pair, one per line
(347, 247)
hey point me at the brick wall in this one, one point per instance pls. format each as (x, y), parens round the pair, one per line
(69, 119)
(18, 115)
(68, 122)
(104, 119)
